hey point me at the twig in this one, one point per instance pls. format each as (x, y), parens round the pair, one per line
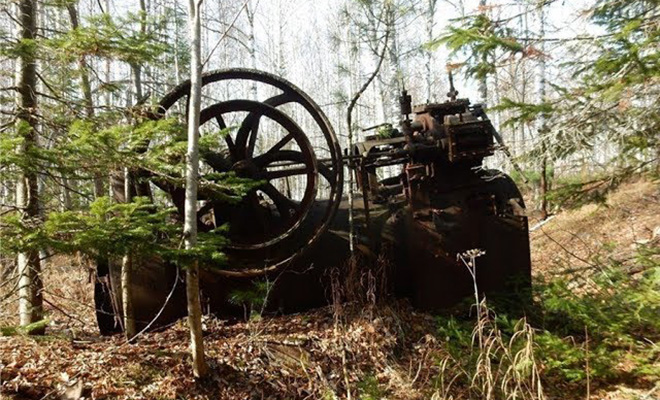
(568, 251)
(349, 121)
(165, 303)
(586, 345)
(64, 312)
(224, 35)
(540, 224)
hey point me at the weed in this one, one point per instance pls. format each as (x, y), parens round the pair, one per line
(368, 388)
(485, 360)
(253, 300)
(596, 328)
(618, 310)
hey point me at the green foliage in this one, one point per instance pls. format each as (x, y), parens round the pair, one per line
(8, 145)
(571, 191)
(112, 38)
(493, 358)
(369, 389)
(631, 46)
(253, 299)
(525, 113)
(606, 92)
(481, 39)
(35, 328)
(610, 319)
(533, 177)
(8, 331)
(156, 146)
(456, 334)
(619, 315)
(114, 229)
(574, 191)
(614, 305)
(26, 48)
(385, 131)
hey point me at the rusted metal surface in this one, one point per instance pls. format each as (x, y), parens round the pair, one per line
(440, 204)
(259, 235)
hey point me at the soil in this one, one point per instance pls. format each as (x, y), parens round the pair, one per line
(372, 351)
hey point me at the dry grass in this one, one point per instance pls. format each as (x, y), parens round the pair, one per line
(609, 232)
(496, 366)
(303, 356)
(359, 347)
(68, 294)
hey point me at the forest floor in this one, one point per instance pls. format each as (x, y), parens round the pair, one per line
(387, 351)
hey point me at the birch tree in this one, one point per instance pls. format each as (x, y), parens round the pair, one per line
(192, 171)
(543, 120)
(603, 94)
(27, 194)
(428, 54)
(483, 80)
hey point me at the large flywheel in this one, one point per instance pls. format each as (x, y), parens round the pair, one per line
(284, 144)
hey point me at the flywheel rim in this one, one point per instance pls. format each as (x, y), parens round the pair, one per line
(331, 170)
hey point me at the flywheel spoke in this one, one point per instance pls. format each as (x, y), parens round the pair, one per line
(273, 150)
(283, 173)
(268, 215)
(250, 125)
(285, 206)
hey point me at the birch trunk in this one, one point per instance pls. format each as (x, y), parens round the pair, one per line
(543, 122)
(128, 262)
(428, 64)
(395, 69)
(27, 198)
(127, 274)
(483, 82)
(200, 368)
(252, 42)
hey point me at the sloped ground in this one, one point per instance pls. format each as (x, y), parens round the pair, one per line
(577, 244)
(579, 241)
(372, 352)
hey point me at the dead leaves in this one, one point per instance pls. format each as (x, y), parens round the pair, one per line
(301, 356)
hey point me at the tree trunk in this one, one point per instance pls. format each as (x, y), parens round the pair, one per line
(543, 130)
(27, 198)
(430, 22)
(127, 274)
(137, 68)
(252, 43)
(200, 368)
(483, 82)
(86, 88)
(544, 182)
(128, 261)
(127, 297)
(102, 261)
(395, 68)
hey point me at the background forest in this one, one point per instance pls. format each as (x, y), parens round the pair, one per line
(573, 88)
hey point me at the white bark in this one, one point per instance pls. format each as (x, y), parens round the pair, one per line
(250, 11)
(127, 274)
(543, 124)
(396, 72)
(483, 82)
(192, 170)
(30, 301)
(430, 22)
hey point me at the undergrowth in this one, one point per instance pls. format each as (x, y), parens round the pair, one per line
(581, 333)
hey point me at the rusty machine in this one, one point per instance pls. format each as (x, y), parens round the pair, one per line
(434, 201)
